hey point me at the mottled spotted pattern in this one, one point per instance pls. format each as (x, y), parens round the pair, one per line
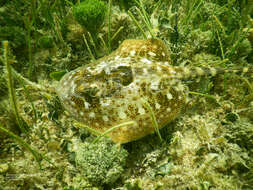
(110, 91)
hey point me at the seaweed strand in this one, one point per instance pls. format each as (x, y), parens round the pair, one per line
(12, 95)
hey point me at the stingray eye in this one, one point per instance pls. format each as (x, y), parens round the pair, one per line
(89, 95)
(123, 75)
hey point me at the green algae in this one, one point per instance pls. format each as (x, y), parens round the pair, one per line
(100, 163)
(90, 14)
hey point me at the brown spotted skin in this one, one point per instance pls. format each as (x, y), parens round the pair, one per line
(152, 48)
(110, 91)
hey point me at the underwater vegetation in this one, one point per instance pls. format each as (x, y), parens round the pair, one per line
(48, 142)
(90, 14)
(102, 166)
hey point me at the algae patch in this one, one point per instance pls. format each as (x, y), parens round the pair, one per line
(100, 163)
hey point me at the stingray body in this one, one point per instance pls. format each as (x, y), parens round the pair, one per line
(111, 90)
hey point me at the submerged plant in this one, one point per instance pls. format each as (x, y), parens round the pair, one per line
(46, 42)
(90, 14)
(100, 163)
(12, 92)
(14, 34)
